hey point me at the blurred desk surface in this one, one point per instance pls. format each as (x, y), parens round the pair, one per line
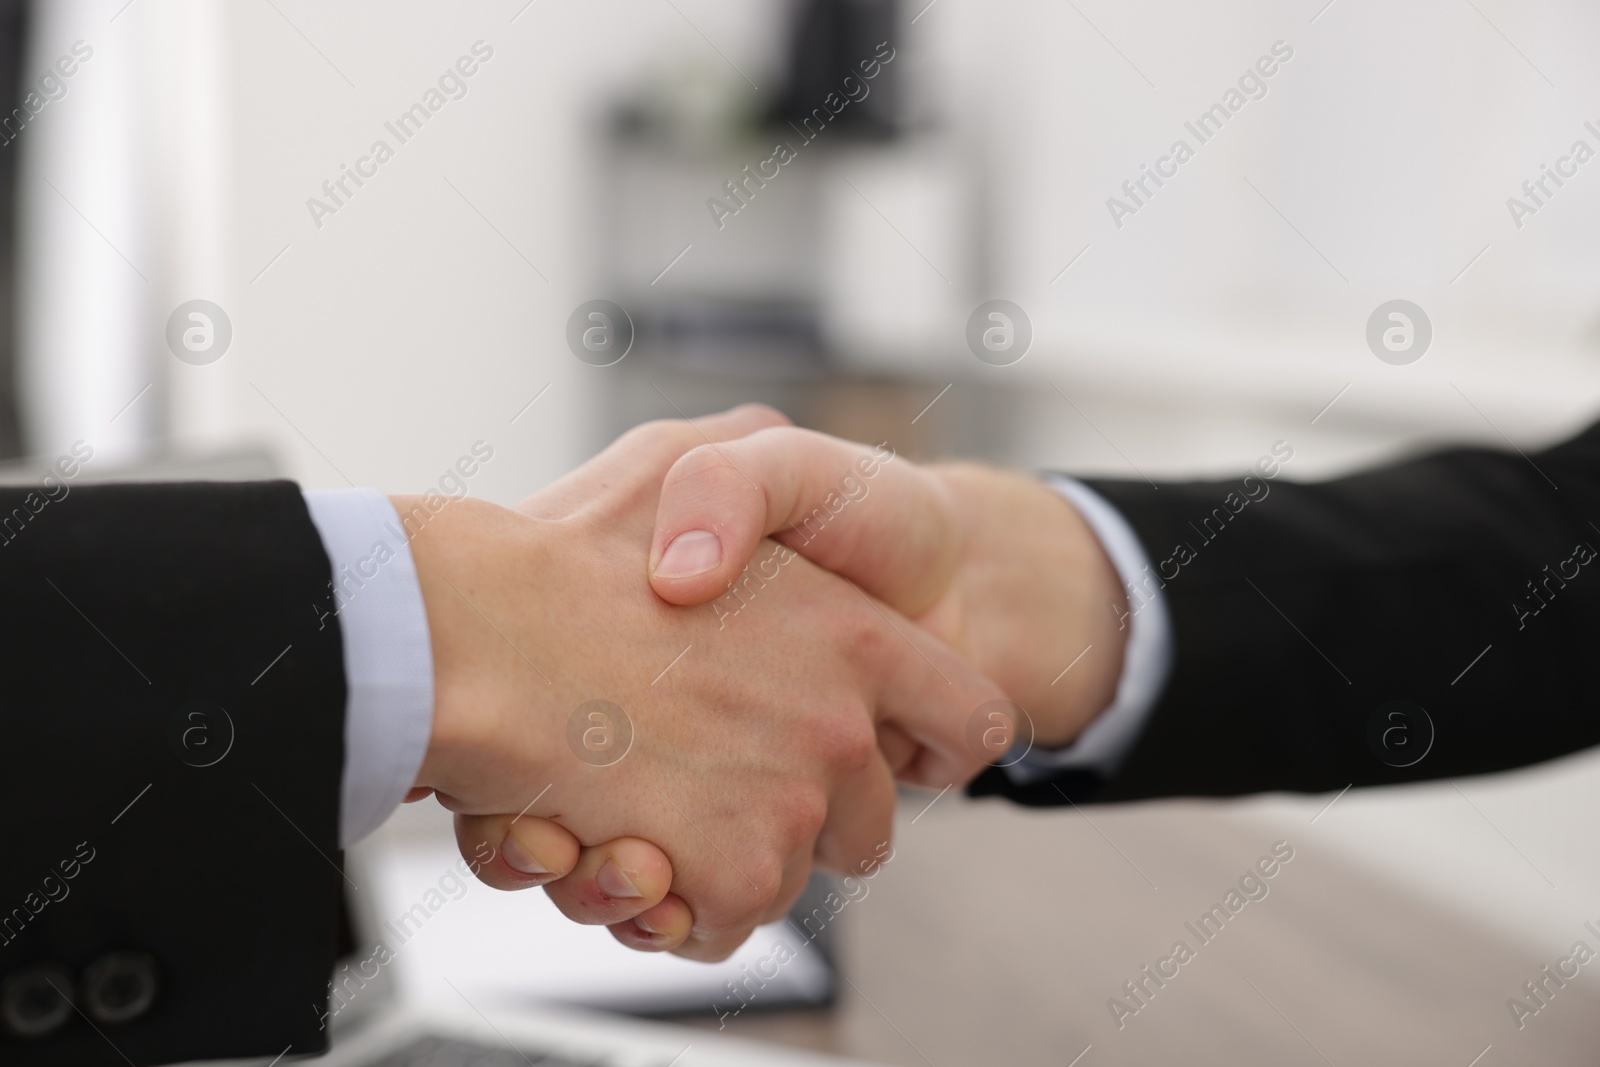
(1397, 933)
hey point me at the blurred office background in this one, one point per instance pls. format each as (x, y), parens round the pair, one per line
(376, 343)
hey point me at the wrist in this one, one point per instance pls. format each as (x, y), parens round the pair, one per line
(1039, 601)
(1099, 604)
(467, 553)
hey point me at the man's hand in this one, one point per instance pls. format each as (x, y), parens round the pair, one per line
(994, 563)
(754, 741)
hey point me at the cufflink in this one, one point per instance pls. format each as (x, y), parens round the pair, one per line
(36, 1002)
(120, 987)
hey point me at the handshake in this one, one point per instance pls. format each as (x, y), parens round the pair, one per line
(670, 683)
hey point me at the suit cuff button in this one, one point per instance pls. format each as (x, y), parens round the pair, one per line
(36, 1002)
(120, 987)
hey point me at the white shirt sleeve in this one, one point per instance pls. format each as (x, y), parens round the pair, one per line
(1146, 659)
(388, 661)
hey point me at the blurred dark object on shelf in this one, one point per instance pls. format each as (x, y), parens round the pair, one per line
(773, 335)
(829, 41)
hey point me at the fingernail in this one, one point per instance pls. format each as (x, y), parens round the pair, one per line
(690, 553)
(641, 923)
(613, 883)
(520, 859)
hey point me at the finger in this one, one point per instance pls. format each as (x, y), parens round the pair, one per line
(931, 694)
(898, 747)
(714, 948)
(796, 876)
(508, 852)
(613, 882)
(737, 422)
(709, 942)
(658, 929)
(653, 447)
(710, 946)
(860, 821)
(857, 511)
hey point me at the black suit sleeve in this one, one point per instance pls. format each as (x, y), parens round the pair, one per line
(1464, 583)
(173, 741)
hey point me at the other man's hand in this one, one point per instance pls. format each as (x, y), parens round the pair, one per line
(993, 562)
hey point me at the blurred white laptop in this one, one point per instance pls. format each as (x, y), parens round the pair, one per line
(448, 997)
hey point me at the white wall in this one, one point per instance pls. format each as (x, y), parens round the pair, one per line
(406, 327)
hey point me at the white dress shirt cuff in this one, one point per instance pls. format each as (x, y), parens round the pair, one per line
(376, 602)
(1146, 658)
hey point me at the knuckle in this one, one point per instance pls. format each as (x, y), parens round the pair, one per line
(851, 742)
(766, 882)
(707, 475)
(764, 412)
(660, 434)
(702, 461)
(768, 879)
(734, 899)
(867, 636)
(804, 817)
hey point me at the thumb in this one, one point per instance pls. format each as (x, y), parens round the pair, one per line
(857, 510)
